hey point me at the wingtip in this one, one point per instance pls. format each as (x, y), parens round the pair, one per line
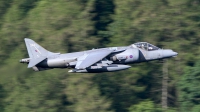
(70, 71)
(27, 39)
(29, 66)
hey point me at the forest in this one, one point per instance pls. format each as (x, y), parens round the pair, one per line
(74, 25)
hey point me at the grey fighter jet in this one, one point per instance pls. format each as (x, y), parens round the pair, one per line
(95, 60)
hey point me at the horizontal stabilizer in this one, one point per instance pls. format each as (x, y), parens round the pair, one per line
(35, 61)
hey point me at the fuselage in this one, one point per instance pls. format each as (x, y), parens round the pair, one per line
(95, 60)
(127, 56)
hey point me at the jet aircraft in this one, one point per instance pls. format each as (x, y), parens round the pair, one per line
(96, 60)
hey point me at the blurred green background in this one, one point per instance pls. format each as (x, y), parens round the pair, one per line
(75, 25)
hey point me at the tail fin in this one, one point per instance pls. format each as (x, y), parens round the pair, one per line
(36, 52)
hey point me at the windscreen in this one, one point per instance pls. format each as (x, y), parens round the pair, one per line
(146, 46)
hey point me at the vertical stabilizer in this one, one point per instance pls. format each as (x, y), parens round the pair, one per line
(36, 52)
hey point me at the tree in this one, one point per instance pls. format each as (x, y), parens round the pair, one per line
(104, 9)
(144, 106)
(84, 95)
(2, 98)
(189, 91)
(75, 25)
(66, 24)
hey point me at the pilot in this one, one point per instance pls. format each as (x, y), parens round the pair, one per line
(142, 46)
(150, 49)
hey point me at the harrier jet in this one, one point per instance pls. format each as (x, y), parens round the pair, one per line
(96, 60)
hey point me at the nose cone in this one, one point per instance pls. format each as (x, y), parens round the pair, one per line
(169, 53)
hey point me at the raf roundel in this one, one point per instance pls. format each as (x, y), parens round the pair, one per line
(131, 56)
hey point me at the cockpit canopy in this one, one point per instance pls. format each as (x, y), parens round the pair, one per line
(146, 46)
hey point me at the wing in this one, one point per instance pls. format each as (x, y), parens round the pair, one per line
(89, 59)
